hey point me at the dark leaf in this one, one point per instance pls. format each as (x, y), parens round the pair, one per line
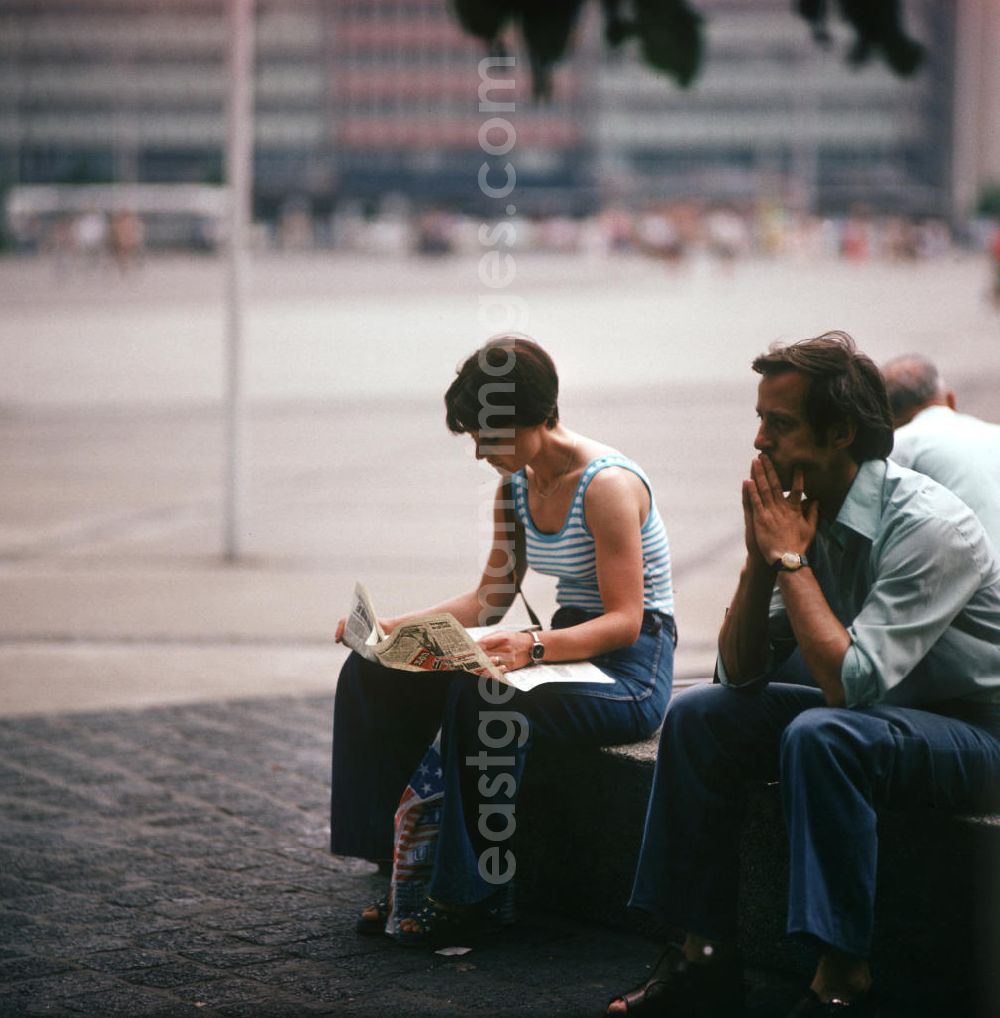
(814, 10)
(817, 13)
(670, 31)
(485, 19)
(860, 53)
(617, 28)
(547, 30)
(671, 37)
(879, 28)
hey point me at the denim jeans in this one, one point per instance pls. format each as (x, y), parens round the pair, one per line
(835, 767)
(384, 720)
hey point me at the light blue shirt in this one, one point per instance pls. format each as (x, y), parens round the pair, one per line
(910, 573)
(959, 451)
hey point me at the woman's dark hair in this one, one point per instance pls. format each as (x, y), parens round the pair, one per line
(509, 381)
(844, 385)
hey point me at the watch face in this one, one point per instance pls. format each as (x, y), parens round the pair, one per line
(790, 560)
(537, 651)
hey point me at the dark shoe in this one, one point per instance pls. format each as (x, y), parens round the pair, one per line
(436, 925)
(682, 989)
(810, 1006)
(370, 925)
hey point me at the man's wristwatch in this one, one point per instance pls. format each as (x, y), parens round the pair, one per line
(537, 647)
(789, 562)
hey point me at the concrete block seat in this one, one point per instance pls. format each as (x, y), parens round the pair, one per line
(937, 949)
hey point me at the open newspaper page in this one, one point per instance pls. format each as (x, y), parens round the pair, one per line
(439, 642)
(429, 643)
(362, 631)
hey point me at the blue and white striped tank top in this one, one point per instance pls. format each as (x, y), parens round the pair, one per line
(569, 554)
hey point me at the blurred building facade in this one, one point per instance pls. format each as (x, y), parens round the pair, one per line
(126, 91)
(977, 101)
(407, 115)
(774, 115)
(359, 98)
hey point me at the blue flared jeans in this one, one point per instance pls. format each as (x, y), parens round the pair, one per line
(384, 720)
(835, 767)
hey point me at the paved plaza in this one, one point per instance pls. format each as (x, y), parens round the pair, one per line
(171, 862)
(165, 716)
(111, 445)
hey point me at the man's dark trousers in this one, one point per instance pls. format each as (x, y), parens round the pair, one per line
(835, 766)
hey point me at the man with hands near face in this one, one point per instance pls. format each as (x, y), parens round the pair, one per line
(859, 664)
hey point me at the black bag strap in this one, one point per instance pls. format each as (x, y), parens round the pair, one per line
(510, 517)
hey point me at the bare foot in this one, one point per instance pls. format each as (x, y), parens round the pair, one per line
(840, 975)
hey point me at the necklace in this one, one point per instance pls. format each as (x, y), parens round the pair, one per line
(559, 479)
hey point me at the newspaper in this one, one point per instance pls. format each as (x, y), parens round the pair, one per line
(439, 642)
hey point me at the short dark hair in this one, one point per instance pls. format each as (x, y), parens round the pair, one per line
(911, 381)
(844, 385)
(509, 381)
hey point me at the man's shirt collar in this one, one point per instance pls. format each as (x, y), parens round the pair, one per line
(929, 413)
(862, 509)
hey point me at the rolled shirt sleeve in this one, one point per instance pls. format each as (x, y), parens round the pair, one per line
(723, 676)
(925, 573)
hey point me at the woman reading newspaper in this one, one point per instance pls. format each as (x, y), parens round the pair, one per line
(581, 512)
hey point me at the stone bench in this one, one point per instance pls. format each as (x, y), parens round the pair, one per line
(580, 818)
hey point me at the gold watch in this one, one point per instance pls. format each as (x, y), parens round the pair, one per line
(789, 562)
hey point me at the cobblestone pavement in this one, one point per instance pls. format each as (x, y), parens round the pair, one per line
(173, 862)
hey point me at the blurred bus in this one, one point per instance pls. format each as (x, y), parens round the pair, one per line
(178, 216)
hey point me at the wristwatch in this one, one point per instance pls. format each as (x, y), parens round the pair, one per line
(537, 647)
(789, 562)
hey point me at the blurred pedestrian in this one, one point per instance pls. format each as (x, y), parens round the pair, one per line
(127, 240)
(90, 237)
(856, 237)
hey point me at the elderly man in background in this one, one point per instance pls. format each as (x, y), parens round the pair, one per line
(957, 450)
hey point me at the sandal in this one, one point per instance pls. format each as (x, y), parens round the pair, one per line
(440, 925)
(677, 986)
(371, 925)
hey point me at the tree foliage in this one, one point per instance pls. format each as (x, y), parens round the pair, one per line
(988, 203)
(670, 34)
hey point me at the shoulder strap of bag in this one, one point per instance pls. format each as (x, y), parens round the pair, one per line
(519, 545)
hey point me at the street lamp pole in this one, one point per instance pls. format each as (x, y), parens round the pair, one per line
(239, 175)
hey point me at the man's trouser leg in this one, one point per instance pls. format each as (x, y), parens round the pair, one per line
(837, 766)
(713, 740)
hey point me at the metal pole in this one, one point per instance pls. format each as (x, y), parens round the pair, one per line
(239, 172)
(807, 83)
